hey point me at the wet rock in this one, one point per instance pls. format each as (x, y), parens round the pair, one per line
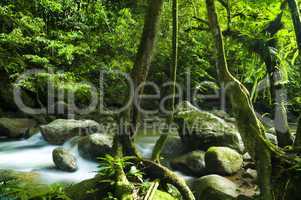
(214, 187)
(223, 161)
(192, 164)
(200, 129)
(16, 127)
(96, 145)
(61, 130)
(64, 160)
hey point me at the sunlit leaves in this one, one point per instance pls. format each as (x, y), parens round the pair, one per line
(54, 6)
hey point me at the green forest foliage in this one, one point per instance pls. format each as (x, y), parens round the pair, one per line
(73, 40)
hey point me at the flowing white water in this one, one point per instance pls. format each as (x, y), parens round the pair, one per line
(35, 155)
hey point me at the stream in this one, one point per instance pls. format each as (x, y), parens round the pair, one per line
(35, 155)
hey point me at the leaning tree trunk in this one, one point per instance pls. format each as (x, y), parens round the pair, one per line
(249, 126)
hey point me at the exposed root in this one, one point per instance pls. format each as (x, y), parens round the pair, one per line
(157, 171)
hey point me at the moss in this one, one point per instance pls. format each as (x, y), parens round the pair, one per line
(26, 177)
(214, 187)
(159, 195)
(88, 190)
(223, 160)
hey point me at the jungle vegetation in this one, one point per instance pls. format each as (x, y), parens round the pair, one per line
(251, 46)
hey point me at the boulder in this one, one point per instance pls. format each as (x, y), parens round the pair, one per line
(94, 188)
(64, 160)
(214, 187)
(223, 161)
(191, 164)
(96, 145)
(61, 130)
(16, 127)
(201, 129)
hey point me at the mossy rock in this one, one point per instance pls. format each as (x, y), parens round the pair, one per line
(16, 127)
(94, 146)
(64, 159)
(223, 161)
(200, 130)
(59, 131)
(22, 177)
(91, 189)
(214, 187)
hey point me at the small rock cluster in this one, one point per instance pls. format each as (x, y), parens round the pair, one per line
(213, 153)
(91, 143)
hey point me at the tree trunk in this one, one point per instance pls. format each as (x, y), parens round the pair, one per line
(249, 126)
(128, 120)
(144, 57)
(277, 89)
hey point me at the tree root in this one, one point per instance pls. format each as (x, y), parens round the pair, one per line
(157, 171)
